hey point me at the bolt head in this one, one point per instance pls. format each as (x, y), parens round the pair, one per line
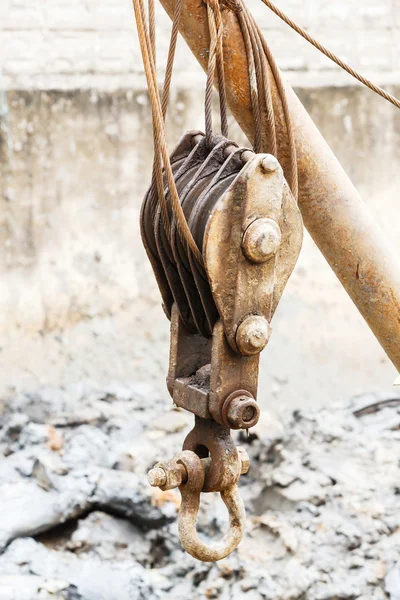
(269, 163)
(261, 240)
(253, 335)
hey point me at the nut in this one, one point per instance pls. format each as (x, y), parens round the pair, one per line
(167, 475)
(157, 477)
(253, 335)
(261, 240)
(241, 410)
(244, 459)
(269, 163)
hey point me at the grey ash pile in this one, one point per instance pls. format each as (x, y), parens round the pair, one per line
(78, 520)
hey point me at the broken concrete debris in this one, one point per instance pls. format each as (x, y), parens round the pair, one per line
(78, 520)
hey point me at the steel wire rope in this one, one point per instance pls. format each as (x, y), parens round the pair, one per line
(331, 55)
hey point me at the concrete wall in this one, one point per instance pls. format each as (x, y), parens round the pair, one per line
(58, 44)
(77, 297)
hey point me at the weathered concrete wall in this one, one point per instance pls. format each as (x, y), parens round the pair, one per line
(58, 44)
(77, 298)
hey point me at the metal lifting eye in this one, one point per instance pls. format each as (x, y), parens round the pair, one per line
(191, 474)
(190, 491)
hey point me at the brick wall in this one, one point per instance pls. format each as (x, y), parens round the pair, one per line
(86, 43)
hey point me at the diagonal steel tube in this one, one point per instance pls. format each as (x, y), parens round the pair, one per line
(333, 212)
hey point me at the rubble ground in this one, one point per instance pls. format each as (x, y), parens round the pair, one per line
(79, 521)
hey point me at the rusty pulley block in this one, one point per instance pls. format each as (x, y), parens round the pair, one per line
(246, 223)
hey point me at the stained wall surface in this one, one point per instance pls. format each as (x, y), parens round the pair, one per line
(59, 44)
(77, 297)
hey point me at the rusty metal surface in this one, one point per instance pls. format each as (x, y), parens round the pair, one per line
(333, 212)
(204, 373)
(194, 475)
(202, 171)
(230, 373)
(240, 210)
(182, 151)
(214, 439)
(188, 351)
(218, 549)
(237, 204)
(244, 289)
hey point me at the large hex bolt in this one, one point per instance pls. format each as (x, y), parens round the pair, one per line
(240, 410)
(261, 240)
(167, 475)
(253, 335)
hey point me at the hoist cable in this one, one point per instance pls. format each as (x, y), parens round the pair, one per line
(223, 104)
(293, 179)
(268, 132)
(212, 63)
(147, 43)
(267, 108)
(156, 194)
(372, 86)
(261, 101)
(259, 57)
(158, 120)
(152, 29)
(147, 40)
(171, 56)
(255, 104)
(215, 65)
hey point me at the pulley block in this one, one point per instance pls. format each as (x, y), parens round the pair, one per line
(248, 228)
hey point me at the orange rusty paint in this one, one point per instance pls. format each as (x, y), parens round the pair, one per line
(333, 212)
